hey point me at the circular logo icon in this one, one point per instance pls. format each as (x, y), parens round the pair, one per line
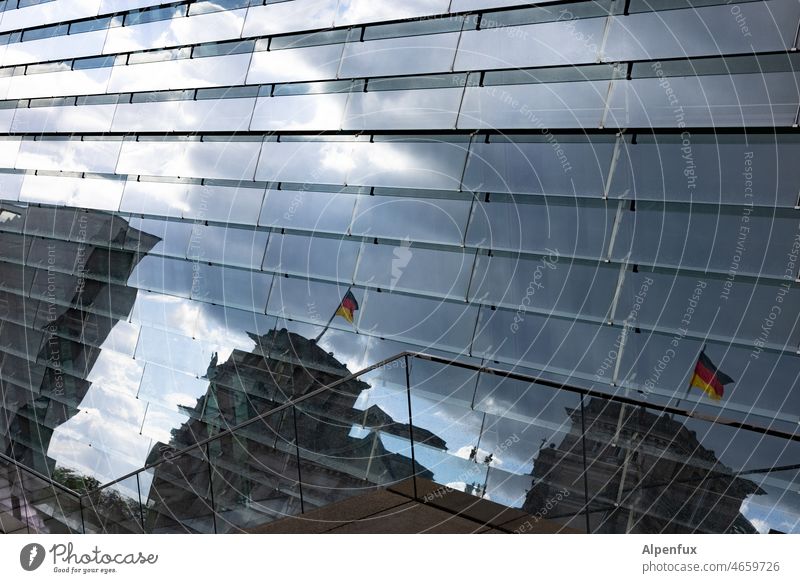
(31, 556)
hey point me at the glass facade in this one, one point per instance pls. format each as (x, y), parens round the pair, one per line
(543, 216)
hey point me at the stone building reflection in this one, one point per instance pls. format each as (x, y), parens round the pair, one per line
(63, 289)
(645, 474)
(255, 476)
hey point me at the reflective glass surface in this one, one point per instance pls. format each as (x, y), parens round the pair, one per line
(218, 218)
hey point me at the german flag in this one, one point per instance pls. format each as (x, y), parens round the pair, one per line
(348, 307)
(709, 379)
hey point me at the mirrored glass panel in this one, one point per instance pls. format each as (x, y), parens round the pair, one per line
(327, 212)
(408, 109)
(280, 17)
(58, 83)
(69, 155)
(360, 11)
(415, 268)
(225, 159)
(665, 168)
(431, 220)
(545, 105)
(299, 112)
(710, 30)
(180, 74)
(537, 225)
(295, 64)
(316, 256)
(768, 99)
(423, 164)
(175, 31)
(547, 284)
(747, 241)
(432, 53)
(64, 119)
(554, 166)
(533, 45)
(94, 193)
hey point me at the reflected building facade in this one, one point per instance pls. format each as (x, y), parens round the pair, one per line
(253, 477)
(489, 187)
(60, 301)
(642, 473)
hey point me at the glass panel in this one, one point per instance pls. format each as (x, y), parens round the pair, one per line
(347, 450)
(280, 17)
(224, 204)
(552, 225)
(177, 496)
(546, 167)
(170, 276)
(445, 435)
(545, 105)
(154, 116)
(299, 112)
(94, 193)
(291, 161)
(732, 173)
(159, 236)
(165, 199)
(711, 30)
(215, 115)
(543, 342)
(237, 288)
(180, 74)
(533, 45)
(69, 155)
(763, 379)
(234, 160)
(66, 119)
(407, 267)
(173, 351)
(462, 5)
(409, 109)
(767, 99)
(438, 165)
(59, 83)
(115, 509)
(298, 64)
(256, 474)
(228, 245)
(332, 258)
(47, 13)
(429, 322)
(430, 220)
(360, 11)
(534, 437)
(175, 31)
(316, 211)
(549, 284)
(45, 508)
(10, 186)
(664, 473)
(712, 306)
(308, 301)
(400, 56)
(747, 241)
(176, 392)
(58, 47)
(8, 152)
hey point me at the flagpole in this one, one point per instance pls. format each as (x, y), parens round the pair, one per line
(333, 316)
(689, 388)
(325, 329)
